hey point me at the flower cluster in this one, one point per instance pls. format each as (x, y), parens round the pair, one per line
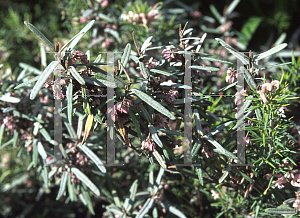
(171, 95)
(141, 17)
(168, 54)
(78, 56)
(148, 144)
(239, 96)
(160, 121)
(231, 75)
(268, 88)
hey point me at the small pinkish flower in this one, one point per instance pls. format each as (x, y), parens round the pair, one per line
(83, 20)
(267, 87)
(48, 159)
(279, 183)
(239, 96)
(263, 98)
(104, 3)
(225, 27)
(167, 54)
(296, 181)
(231, 75)
(195, 14)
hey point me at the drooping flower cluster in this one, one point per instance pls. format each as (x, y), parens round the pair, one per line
(148, 144)
(171, 95)
(231, 75)
(160, 121)
(78, 56)
(268, 88)
(168, 54)
(239, 96)
(135, 18)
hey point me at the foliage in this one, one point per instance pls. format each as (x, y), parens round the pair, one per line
(163, 65)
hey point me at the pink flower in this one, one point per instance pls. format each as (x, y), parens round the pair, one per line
(167, 54)
(263, 98)
(104, 3)
(266, 87)
(231, 75)
(148, 144)
(195, 14)
(279, 183)
(296, 181)
(160, 120)
(239, 96)
(83, 20)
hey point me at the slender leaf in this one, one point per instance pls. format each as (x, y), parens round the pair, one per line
(93, 157)
(159, 159)
(146, 44)
(270, 52)
(76, 75)
(63, 183)
(70, 99)
(41, 150)
(157, 106)
(146, 207)
(41, 81)
(128, 203)
(86, 180)
(125, 56)
(204, 68)
(155, 136)
(27, 82)
(40, 35)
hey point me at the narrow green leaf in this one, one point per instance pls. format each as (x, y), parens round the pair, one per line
(173, 210)
(151, 183)
(63, 183)
(9, 99)
(167, 131)
(41, 81)
(232, 6)
(71, 190)
(70, 99)
(178, 85)
(196, 148)
(41, 150)
(144, 70)
(76, 39)
(101, 83)
(249, 78)
(243, 58)
(158, 179)
(125, 56)
(198, 122)
(146, 207)
(132, 193)
(136, 124)
(155, 136)
(164, 73)
(93, 157)
(86, 180)
(76, 75)
(145, 112)
(116, 198)
(204, 68)
(28, 82)
(146, 44)
(270, 52)
(40, 35)
(199, 170)
(157, 106)
(159, 159)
